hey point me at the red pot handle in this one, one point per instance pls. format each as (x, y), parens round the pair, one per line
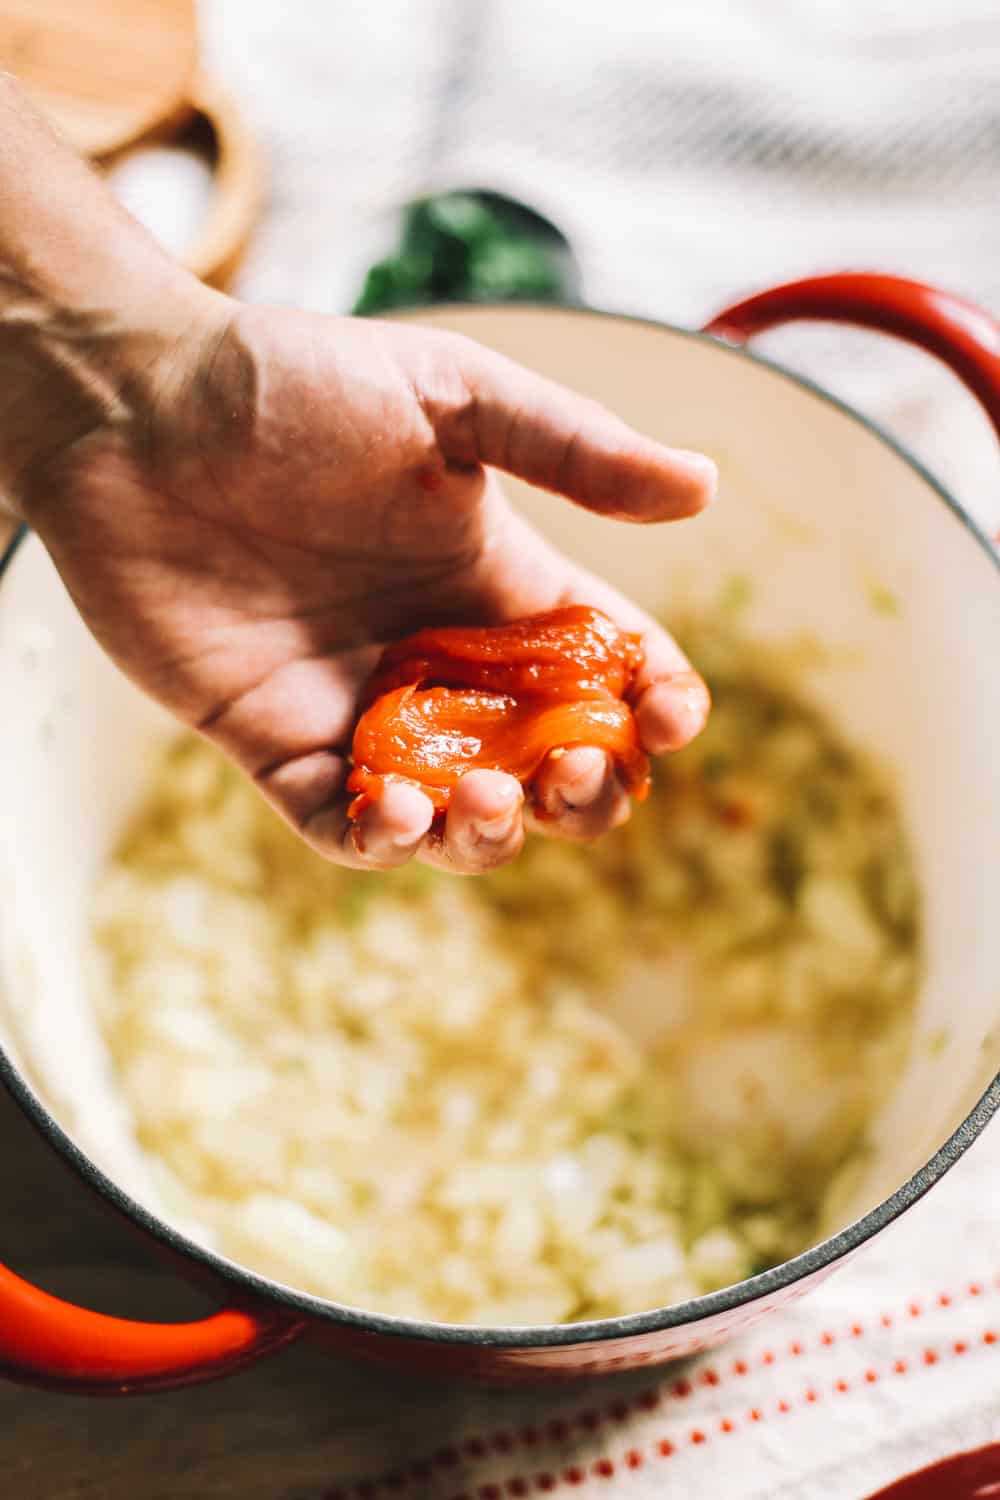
(45, 1341)
(965, 337)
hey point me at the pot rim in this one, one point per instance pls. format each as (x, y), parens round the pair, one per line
(764, 1285)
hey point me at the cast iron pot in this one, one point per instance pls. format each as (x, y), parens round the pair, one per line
(824, 515)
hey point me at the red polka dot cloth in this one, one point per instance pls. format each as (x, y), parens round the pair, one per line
(892, 1364)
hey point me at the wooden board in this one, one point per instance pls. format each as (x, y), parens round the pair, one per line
(220, 246)
(105, 72)
(217, 136)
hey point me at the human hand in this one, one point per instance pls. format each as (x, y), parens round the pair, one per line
(277, 494)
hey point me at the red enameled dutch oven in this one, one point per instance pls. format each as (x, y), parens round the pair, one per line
(823, 513)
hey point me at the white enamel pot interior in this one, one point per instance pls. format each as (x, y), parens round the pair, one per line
(817, 509)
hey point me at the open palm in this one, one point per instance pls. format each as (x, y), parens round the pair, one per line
(301, 489)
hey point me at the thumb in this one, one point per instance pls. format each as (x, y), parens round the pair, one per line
(508, 417)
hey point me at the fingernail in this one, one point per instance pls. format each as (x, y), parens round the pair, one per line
(693, 699)
(673, 712)
(406, 840)
(701, 468)
(494, 830)
(501, 825)
(586, 786)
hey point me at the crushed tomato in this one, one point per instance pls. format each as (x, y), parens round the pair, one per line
(445, 701)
